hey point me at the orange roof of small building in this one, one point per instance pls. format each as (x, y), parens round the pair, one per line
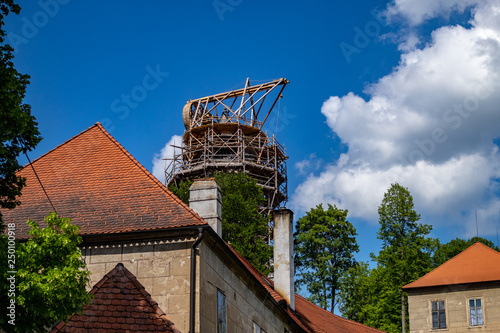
(477, 263)
(94, 181)
(120, 304)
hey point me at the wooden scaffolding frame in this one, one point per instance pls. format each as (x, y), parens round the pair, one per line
(223, 133)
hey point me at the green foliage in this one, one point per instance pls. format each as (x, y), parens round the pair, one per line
(324, 249)
(447, 251)
(50, 279)
(19, 132)
(182, 190)
(243, 226)
(405, 255)
(355, 292)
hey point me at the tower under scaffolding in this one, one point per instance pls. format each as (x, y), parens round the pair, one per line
(224, 133)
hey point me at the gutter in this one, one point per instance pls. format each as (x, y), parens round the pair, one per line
(192, 283)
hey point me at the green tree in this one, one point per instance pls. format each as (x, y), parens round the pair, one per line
(325, 243)
(19, 132)
(243, 226)
(181, 190)
(406, 251)
(51, 277)
(447, 251)
(354, 292)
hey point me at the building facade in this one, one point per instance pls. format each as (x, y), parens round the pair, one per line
(461, 295)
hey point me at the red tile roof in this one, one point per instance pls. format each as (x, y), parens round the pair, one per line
(94, 181)
(320, 320)
(310, 317)
(478, 263)
(120, 304)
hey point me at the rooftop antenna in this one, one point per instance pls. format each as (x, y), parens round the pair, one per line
(477, 229)
(498, 243)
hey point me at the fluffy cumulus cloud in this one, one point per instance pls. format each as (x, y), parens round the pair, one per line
(431, 124)
(161, 162)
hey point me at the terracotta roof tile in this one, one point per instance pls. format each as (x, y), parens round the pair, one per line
(322, 321)
(128, 317)
(94, 181)
(477, 263)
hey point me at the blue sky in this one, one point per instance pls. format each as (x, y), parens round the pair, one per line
(379, 91)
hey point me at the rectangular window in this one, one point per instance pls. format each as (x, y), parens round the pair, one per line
(257, 328)
(475, 312)
(438, 314)
(221, 312)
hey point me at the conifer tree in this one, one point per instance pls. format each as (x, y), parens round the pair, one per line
(406, 251)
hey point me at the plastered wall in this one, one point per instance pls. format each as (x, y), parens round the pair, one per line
(456, 298)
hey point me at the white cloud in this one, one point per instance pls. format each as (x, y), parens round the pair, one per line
(429, 125)
(417, 11)
(311, 164)
(159, 162)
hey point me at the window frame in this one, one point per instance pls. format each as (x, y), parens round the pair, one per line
(256, 328)
(221, 295)
(445, 304)
(482, 312)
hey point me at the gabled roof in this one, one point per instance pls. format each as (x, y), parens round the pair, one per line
(477, 263)
(310, 317)
(94, 181)
(120, 304)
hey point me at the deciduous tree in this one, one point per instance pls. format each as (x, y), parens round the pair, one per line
(455, 246)
(19, 132)
(51, 278)
(325, 243)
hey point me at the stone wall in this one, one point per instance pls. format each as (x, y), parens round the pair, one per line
(243, 305)
(456, 298)
(162, 267)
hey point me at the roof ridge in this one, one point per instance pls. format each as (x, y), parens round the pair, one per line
(450, 261)
(62, 144)
(147, 173)
(140, 287)
(139, 165)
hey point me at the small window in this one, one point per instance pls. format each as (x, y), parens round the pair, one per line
(476, 312)
(221, 312)
(257, 328)
(438, 314)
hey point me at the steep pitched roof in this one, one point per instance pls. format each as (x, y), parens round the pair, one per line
(94, 181)
(120, 304)
(478, 263)
(310, 317)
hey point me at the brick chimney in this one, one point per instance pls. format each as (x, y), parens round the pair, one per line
(205, 198)
(283, 255)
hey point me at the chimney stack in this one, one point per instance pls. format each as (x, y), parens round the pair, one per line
(205, 198)
(283, 255)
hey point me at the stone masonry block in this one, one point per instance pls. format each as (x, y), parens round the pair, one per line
(137, 252)
(105, 254)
